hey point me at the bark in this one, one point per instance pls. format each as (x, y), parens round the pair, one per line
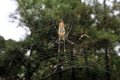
(107, 65)
(72, 61)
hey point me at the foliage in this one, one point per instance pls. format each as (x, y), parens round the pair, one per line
(94, 52)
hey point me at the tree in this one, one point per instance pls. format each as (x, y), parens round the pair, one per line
(42, 18)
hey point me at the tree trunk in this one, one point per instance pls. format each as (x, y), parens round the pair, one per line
(28, 73)
(60, 75)
(73, 74)
(107, 65)
(72, 62)
(86, 63)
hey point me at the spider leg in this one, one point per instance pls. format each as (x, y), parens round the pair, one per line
(64, 46)
(59, 46)
(70, 41)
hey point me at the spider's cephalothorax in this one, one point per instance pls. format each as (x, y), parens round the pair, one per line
(61, 31)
